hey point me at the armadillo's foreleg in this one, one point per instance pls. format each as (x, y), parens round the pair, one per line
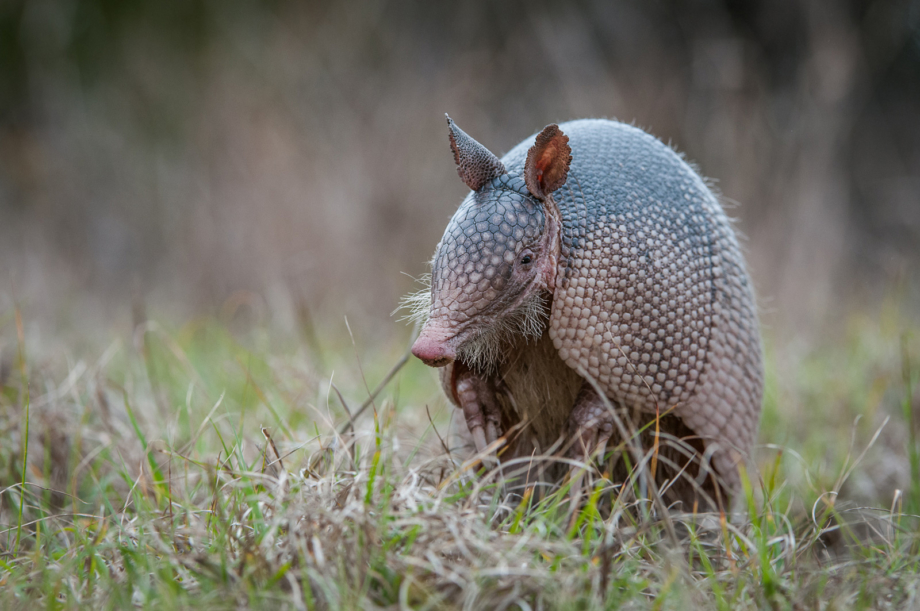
(590, 427)
(480, 408)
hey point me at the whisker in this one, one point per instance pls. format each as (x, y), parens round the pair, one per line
(417, 305)
(486, 351)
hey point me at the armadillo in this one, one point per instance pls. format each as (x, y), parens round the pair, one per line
(592, 271)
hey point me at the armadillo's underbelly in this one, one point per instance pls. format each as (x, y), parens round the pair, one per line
(542, 391)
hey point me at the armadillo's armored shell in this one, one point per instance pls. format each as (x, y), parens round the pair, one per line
(652, 298)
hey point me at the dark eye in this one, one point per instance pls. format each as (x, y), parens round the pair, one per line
(526, 259)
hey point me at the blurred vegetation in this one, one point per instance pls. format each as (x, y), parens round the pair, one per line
(296, 150)
(203, 466)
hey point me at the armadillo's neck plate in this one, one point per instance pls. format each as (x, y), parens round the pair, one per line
(511, 183)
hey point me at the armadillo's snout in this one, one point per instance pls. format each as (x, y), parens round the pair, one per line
(433, 347)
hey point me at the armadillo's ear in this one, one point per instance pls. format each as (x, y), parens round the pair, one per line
(548, 160)
(476, 165)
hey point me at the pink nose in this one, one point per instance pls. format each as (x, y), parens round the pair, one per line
(433, 352)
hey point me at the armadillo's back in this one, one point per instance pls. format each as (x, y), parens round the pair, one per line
(652, 298)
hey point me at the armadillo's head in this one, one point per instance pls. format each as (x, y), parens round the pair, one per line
(494, 270)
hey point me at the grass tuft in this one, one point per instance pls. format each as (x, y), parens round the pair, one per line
(199, 467)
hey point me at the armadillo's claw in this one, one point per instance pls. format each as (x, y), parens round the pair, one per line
(480, 409)
(595, 449)
(492, 434)
(479, 438)
(591, 426)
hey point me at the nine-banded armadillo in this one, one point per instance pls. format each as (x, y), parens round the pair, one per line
(593, 259)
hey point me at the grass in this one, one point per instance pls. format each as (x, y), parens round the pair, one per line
(207, 467)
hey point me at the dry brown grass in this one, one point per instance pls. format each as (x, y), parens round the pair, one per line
(150, 481)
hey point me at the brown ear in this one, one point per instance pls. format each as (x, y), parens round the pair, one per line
(476, 165)
(548, 160)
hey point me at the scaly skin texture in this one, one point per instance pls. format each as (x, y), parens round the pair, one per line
(653, 299)
(643, 282)
(479, 247)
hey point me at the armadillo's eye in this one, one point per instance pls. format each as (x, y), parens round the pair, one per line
(526, 259)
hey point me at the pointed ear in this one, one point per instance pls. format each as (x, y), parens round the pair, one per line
(548, 160)
(476, 165)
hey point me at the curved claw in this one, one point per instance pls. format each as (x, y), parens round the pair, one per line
(492, 433)
(479, 438)
(480, 409)
(588, 451)
(591, 426)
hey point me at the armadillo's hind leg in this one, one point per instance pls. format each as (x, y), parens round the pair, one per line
(480, 408)
(590, 428)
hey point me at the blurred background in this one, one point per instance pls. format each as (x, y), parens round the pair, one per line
(289, 160)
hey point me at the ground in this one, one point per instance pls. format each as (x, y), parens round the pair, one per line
(212, 466)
